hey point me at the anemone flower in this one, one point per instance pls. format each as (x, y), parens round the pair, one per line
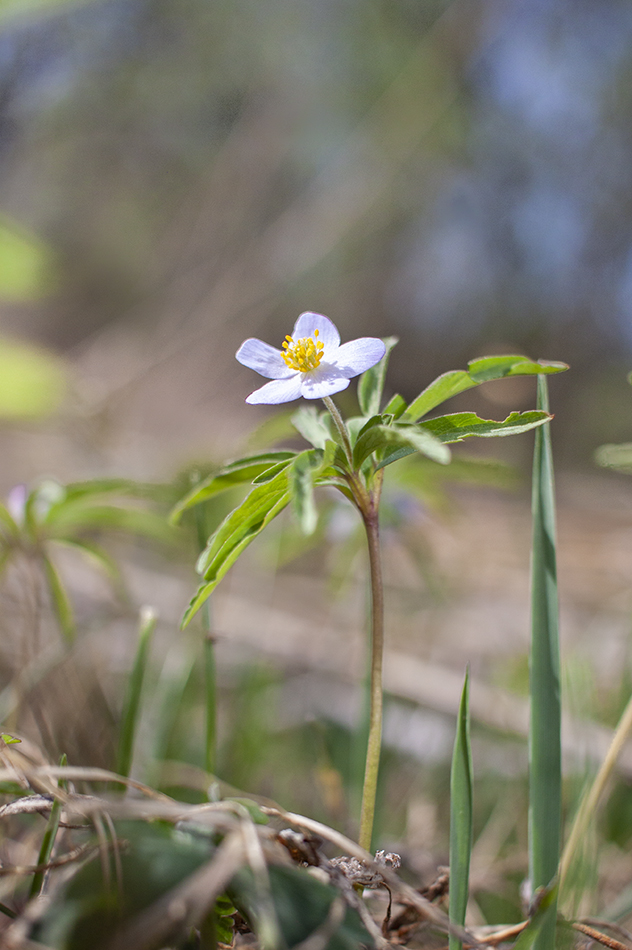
(312, 362)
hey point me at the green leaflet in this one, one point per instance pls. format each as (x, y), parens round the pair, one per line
(618, 457)
(371, 383)
(460, 816)
(461, 425)
(409, 438)
(545, 766)
(302, 472)
(312, 426)
(479, 371)
(236, 532)
(131, 711)
(243, 470)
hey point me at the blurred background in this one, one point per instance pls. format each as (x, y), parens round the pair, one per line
(178, 175)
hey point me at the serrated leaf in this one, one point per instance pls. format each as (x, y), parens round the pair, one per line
(618, 457)
(238, 472)
(311, 425)
(462, 425)
(479, 371)
(301, 484)
(410, 438)
(371, 383)
(60, 600)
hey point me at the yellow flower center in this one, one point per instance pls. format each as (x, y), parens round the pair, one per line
(304, 354)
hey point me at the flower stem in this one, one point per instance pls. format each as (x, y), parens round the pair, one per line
(369, 790)
(341, 427)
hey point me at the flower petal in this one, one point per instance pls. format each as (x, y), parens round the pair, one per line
(327, 331)
(260, 356)
(324, 381)
(355, 357)
(279, 390)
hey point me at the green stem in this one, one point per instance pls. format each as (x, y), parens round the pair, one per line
(341, 427)
(369, 790)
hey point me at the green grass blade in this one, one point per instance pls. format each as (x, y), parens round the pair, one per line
(545, 778)
(210, 695)
(132, 700)
(460, 816)
(48, 842)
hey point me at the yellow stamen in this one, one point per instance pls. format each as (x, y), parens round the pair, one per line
(304, 354)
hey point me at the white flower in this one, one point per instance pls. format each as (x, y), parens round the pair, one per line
(312, 363)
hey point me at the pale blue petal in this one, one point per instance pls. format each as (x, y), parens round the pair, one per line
(324, 381)
(357, 356)
(260, 356)
(278, 391)
(327, 331)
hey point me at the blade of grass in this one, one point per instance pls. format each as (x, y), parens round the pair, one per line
(545, 778)
(588, 806)
(132, 701)
(210, 692)
(48, 841)
(460, 816)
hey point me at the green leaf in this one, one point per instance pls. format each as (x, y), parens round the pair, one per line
(60, 600)
(236, 473)
(7, 524)
(249, 514)
(618, 457)
(545, 763)
(235, 533)
(8, 738)
(497, 367)
(395, 407)
(545, 900)
(460, 817)
(75, 517)
(270, 473)
(26, 263)
(131, 710)
(479, 371)
(302, 473)
(48, 841)
(312, 426)
(33, 383)
(97, 554)
(371, 383)
(462, 425)
(410, 438)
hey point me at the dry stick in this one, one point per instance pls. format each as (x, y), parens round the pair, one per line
(590, 802)
(599, 937)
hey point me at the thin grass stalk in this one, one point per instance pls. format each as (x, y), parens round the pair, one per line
(545, 778)
(48, 841)
(131, 708)
(460, 817)
(210, 695)
(590, 801)
(210, 668)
